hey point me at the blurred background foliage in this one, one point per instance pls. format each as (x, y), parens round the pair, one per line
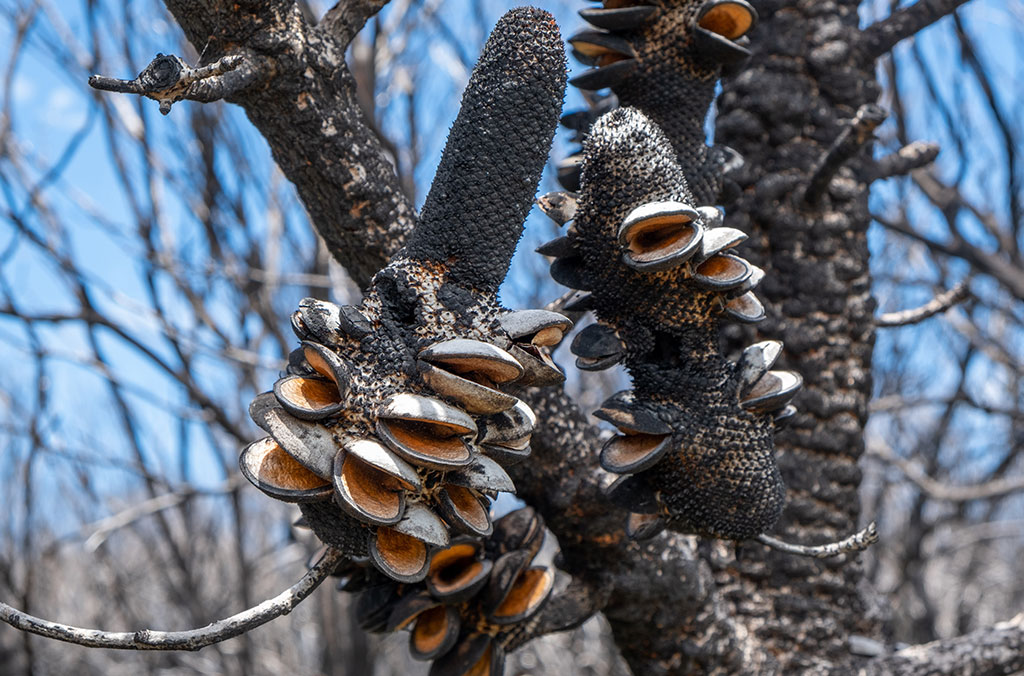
(148, 266)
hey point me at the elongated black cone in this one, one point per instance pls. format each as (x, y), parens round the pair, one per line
(496, 150)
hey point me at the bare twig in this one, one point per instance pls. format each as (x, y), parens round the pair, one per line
(908, 158)
(168, 79)
(852, 138)
(189, 639)
(857, 542)
(939, 303)
(938, 490)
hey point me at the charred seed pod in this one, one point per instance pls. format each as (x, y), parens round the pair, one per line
(480, 599)
(664, 57)
(380, 429)
(696, 432)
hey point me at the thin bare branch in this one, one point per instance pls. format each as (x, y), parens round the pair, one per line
(168, 79)
(939, 303)
(852, 138)
(938, 490)
(189, 639)
(857, 542)
(908, 158)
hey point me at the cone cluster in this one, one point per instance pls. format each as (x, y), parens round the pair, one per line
(479, 600)
(648, 252)
(393, 442)
(394, 422)
(663, 57)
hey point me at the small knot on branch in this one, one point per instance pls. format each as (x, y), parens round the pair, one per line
(857, 542)
(169, 79)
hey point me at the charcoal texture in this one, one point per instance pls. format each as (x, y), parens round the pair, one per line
(496, 150)
(720, 477)
(674, 85)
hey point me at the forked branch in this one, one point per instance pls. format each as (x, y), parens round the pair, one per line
(168, 79)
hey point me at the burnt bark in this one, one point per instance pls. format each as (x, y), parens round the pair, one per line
(783, 114)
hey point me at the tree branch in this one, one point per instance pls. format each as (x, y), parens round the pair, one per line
(168, 79)
(900, 163)
(189, 639)
(939, 303)
(348, 17)
(982, 261)
(948, 492)
(882, 36)
(306, 108)
(857, 542)
(993, 651)
(857, 132)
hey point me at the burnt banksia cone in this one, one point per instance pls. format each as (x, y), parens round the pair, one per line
(696, 433)
(480, 600)
(664, 57)
(391, 427)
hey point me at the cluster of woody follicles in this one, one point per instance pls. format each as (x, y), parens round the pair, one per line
(393, 422)
(480, 600)
(664, 58)
(651, 257)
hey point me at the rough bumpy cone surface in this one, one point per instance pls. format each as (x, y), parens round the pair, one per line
(495, 152)
(480, 600)
(391, 426)
(696, 433)
(664, 57)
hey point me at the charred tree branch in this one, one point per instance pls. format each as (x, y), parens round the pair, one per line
(880, 37)
(851, 139)
(940, 303)
(189, 639)
(348, 17)
(900, 163)
(993, 651)
(307, 109)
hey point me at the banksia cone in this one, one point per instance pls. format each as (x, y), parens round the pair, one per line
(696, 442)
(391, 427)
(664, 57)
(479, 600)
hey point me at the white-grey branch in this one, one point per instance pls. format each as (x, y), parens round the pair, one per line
(857, 542)
(940, 303)
(189, 639)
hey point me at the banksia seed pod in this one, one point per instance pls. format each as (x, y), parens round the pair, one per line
(664, 57)
(696, 433)
(390, 427)
(479, 600)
